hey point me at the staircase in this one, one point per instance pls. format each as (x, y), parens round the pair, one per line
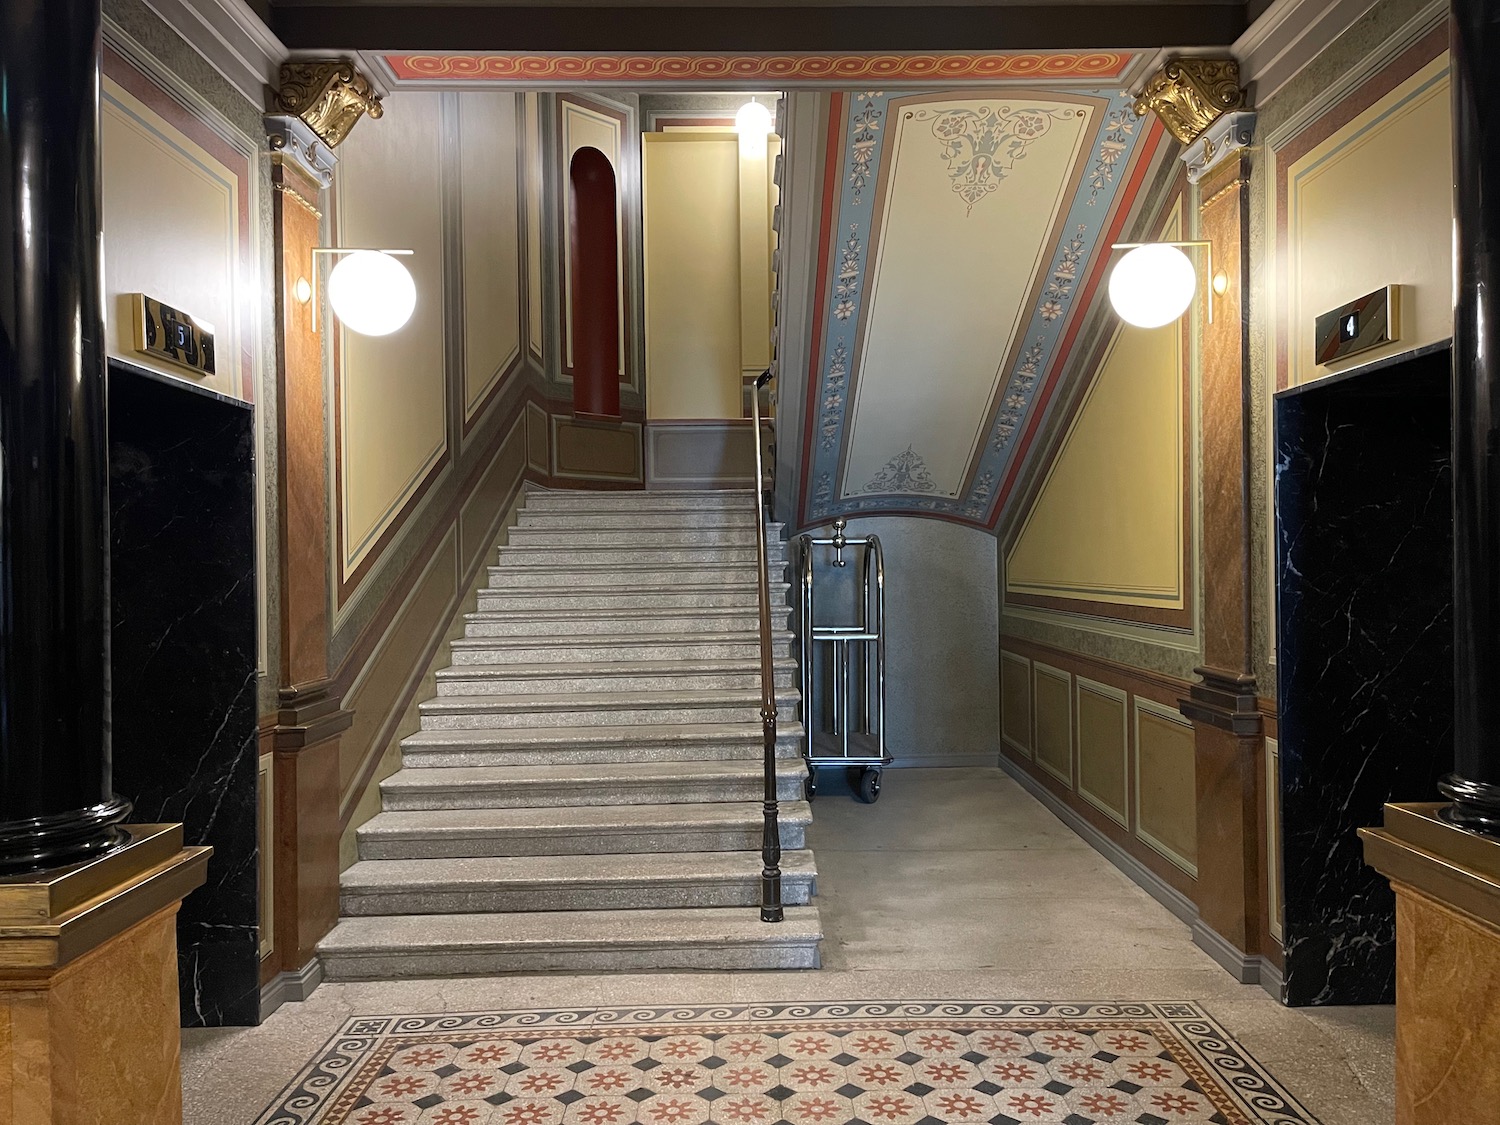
(585, 792)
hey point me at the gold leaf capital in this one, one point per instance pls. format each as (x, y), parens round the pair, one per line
(328, 95)
(1190, 94)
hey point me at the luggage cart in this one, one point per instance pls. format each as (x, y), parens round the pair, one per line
(854, 657)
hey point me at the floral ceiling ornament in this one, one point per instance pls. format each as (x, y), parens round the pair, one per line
(981, 147)
(864, 126)
(905, 472)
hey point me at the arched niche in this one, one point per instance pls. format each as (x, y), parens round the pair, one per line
(595, 268)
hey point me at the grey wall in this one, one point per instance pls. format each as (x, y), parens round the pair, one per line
(942, 648)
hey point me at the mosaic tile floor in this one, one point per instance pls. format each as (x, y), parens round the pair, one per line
(927, 1063)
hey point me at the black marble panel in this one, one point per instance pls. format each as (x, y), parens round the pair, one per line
(1364, 653)
(183, 560)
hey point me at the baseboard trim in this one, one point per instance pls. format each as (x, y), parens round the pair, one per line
(295, 985)
(1241, 966)
(1182, 907)
(1270, 979)
(946, 761)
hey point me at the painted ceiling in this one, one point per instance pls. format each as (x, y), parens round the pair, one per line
(963, 236)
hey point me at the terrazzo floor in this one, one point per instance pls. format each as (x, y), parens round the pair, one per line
(956, 885)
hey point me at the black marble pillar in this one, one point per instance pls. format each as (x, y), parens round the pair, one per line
(57, 804)
(1474, 784)
(182, 507)
(1364, 653)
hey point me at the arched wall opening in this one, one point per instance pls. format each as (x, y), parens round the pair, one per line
(596, 285)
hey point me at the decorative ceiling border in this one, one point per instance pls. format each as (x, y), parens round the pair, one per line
(735, 70)
(856, 151)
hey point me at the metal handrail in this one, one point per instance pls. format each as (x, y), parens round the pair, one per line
(770, 848)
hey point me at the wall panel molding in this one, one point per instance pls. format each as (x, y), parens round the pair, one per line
(1146, 806)
(700, 453)
(1094, 775)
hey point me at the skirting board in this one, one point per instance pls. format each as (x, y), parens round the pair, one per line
(1138, 873)
(297, 986)
(1270, 979)
(1242, 967)
(946, 761)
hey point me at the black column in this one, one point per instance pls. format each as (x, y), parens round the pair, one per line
(1474, 785)
(56, 801)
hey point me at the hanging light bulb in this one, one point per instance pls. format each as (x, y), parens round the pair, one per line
(372, 293)
(753, 121)
(1152, 285)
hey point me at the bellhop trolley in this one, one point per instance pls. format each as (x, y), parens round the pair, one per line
(850, 659)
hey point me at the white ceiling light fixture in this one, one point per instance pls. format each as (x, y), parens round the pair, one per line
(370, 291)
(1155, 282)
(753, 121)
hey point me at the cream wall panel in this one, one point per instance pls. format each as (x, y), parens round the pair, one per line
(968, 269)
(171, 230)
(534, 195)
(1108, 521)
(491, 244)
(692, 189)
(1373, 205)
(1273, 836)
(1015, 702)
(1103, 748)
(392, 388)
(1166, 800)
(1052, 704)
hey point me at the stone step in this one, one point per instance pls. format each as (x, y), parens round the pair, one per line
(538, 746)
(610, 647)
(568, 578)
(584, 604)
(602, 709)
(640, 558)
(741, 535)
(508, 787)
(453, 945)
(723, 500)
(494, 884)
(610, 676)
(658, 519)
(602, 829)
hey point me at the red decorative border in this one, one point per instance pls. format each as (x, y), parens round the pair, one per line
(780, 68)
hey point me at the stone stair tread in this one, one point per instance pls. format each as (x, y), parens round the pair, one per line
(601, 735)
(570, 929)
(375, 876)
(592, 701)
(470, 777)
(567, 819)
(618, 640)
(622, 668)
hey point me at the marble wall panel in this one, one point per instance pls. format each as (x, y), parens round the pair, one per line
(183, 637)
(1365, 660)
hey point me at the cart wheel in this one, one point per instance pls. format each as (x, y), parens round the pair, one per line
(869, 785)
(810, 784)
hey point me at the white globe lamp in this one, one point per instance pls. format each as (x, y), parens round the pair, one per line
(753, 121)
(1152, 285)
(372, 293)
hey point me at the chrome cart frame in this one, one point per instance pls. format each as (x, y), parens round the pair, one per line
(858, 646)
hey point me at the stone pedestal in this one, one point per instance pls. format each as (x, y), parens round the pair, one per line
(88, 985)
(1447, 884)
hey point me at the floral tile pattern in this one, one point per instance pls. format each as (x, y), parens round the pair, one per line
(906, 1063)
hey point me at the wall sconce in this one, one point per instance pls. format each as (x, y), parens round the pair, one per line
(1154, 283)
(370, 291)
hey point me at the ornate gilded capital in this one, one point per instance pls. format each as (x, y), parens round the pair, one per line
(327, 95)
(1190, 94)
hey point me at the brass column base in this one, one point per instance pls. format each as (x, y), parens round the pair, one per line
(88, 985)
(1447, 884)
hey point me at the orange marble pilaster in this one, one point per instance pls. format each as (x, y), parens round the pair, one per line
(1447, 884)
(88, 986)
(1223, 705)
